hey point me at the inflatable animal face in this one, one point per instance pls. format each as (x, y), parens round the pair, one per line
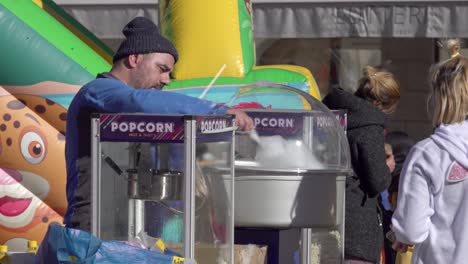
(32, 166)
(42, 64)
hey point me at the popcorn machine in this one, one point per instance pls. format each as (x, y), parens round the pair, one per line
(155, 177)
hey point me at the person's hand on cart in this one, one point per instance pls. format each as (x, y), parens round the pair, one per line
(243, 121)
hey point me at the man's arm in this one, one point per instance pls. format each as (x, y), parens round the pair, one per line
(113, 96)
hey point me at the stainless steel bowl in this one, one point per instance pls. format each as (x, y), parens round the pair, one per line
(284, 198)
(156, 186)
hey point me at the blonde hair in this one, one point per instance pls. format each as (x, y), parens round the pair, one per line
(449, 87)
(381, 88)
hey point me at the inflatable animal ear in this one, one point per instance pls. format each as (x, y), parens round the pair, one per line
(218, 33)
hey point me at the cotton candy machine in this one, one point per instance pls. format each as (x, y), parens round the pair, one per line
(294, 174)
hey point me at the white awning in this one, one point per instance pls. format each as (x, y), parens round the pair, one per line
(301, 18)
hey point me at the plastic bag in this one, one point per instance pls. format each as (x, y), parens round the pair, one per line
(249, 254)
(67, 245)
(143, 240)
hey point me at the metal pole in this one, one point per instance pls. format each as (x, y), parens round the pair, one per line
(134, 220)
(139, 216)
(307, 130)
(305, 245)
(131, 219)
(189, 189)
(342, 226)
(233, 153)
(306, 233)
(95, 178)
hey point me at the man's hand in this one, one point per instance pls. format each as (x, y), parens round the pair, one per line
(243, 121)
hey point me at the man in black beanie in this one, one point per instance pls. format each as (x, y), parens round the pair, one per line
(145, 58)
(141, 67)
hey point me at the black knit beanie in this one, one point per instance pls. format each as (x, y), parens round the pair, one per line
(142, 36)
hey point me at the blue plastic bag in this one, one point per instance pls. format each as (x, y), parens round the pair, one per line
(67, 245)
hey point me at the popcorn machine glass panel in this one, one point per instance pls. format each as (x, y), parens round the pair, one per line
(167, 177)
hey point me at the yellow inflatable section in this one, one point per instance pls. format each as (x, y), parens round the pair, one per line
(215, 38)
(206, 33)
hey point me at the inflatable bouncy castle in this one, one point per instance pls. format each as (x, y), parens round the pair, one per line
(46, 56)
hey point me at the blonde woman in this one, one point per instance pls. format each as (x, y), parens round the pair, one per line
(377, 95)
(432, 209)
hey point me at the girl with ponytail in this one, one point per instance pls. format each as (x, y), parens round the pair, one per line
(432, 207)
(377, 95)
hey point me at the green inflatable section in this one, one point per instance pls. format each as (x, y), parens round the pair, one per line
(34, 40)
(246, 34)
(265, 74)
(28, 58)
(74, 26)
